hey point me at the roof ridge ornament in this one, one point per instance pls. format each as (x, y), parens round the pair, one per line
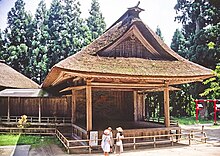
(134, 11)
(129, 15)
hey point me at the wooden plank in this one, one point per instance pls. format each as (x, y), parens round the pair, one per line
(39, 109)
(126, 85)
(166, 105)
(88, 106)
(135, 106)
(73, 88)
(73, 106)
(141, 107)
(8, 118)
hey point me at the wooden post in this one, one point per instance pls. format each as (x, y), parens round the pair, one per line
(39, 111)
(143, 107)
(8, 117)
(73, 106)
(135, 106)
(88, 106)
(166, 105)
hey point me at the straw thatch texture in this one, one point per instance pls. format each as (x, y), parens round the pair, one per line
(10, 78)
(113, 54)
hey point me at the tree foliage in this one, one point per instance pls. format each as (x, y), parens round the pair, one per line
(159, 33)
(198, 41)
(32, 45)
(19, 37)
(95, 21)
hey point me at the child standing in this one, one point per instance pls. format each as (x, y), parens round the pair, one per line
(106, 142)
(119, 137)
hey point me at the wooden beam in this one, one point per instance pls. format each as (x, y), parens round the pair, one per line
(141, 107)
(88, 106)
(73, 106)
(8, 115)
(115, 89)
(73, 88)
(135, 106)
(39, 111)
(166, 105)
(126, 85)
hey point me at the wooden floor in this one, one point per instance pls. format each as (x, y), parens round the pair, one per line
(126, 125)
(99, 125)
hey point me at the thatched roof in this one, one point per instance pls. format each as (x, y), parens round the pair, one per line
(10, 78)
(129, 49)
(23, 93)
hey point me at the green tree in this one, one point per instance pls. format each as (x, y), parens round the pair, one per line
(19, 36)
(74, 35)
(159, 33)
(39, 60)
(195, 15)
(213, 91)
(184, 96)
(178, 43)
(56, 26)
(200, 28)
(95, 21)
(2, 45)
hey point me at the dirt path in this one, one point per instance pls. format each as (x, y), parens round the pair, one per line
(211, 148)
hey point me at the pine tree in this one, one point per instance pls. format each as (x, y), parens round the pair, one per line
(73, 36)
(56, 26)
(2, 45)
(200, 20)
(38, 64)
(95, 21)
(19, 36)
(178, 43)
(159, 33)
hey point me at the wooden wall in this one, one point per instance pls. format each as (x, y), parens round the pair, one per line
(106, 105)
(50, 106)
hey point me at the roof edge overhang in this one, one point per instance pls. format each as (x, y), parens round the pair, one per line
(64, 74)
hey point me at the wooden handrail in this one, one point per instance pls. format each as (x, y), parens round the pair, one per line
(131, 141)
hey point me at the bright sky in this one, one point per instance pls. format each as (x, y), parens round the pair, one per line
(157, 12)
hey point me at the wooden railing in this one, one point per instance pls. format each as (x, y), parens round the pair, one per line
(31, 131)
(80, 132)
(34, 119)
(134, 141)
(127, 141)
(198, 135)
(161, 120)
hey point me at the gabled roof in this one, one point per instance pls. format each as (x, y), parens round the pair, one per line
(10, 78)
(129, 50)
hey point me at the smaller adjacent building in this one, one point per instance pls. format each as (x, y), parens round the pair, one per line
(10, 78)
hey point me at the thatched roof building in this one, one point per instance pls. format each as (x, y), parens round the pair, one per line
(128, 51)
(10, 78)
(128, 57)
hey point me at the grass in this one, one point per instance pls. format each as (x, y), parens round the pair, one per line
(192, 121)
(33, 140)
(9, 139)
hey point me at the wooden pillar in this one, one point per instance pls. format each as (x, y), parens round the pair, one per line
(39, 111)
(8, 115)
(88, 106)
(73, 106)
(166, 105)
(135, 106)
(142, 103)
